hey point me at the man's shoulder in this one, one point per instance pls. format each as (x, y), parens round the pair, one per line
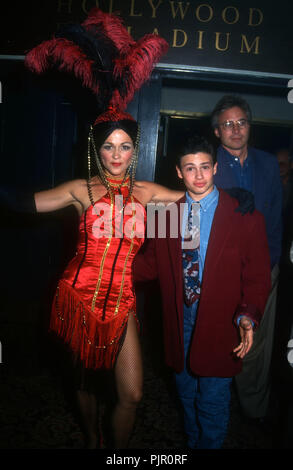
(263, 156)
(226, 201)
(257, 154)
(229, 204)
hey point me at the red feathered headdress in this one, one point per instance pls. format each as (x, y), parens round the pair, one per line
(102, 54)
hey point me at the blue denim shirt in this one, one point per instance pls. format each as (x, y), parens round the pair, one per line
(208, 206)
(243, 174)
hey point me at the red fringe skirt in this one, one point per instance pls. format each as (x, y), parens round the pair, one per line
(94, 342)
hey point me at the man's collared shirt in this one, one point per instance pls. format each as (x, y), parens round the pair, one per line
(208, 206)
(243, 174)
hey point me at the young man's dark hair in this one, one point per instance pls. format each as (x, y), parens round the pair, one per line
(228, 102)
(202, 320)
(195, 144)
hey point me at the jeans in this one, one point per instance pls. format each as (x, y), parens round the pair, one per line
(205, 400)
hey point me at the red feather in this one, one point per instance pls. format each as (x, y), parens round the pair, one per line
(138, 63)
(68, 56)
(131, 69)
(112, 26)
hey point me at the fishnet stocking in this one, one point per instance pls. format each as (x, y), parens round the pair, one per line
(129, 382)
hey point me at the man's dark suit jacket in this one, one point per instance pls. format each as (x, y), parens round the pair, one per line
(236, 280)
(267, 191)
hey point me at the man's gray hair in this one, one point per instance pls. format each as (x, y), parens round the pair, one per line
(228, 102)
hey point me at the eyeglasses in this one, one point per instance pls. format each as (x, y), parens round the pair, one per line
(229, 125)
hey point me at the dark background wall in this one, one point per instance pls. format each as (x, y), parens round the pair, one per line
(44, 124)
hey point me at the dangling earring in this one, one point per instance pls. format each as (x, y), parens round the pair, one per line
(97, 159)
(133, 164)
(89, 155)
(91, 143)
(89, 167)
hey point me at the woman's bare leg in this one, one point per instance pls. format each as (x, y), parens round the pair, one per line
(129, 383)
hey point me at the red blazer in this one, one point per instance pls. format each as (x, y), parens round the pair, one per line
(236, 280)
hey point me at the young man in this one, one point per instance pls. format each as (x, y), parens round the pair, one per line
(240, 165)
(208, 324)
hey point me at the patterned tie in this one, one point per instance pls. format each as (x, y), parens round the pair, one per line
(190, 255)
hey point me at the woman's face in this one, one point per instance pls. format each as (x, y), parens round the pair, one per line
(116, 153)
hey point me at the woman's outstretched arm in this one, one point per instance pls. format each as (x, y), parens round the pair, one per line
(61, 196)
(23, 201)
(147, 192)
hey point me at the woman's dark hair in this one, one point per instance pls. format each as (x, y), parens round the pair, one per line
(228, 102)
(99, 134)
(195, 144)
(102, 130)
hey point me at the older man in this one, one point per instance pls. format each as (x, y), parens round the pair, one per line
(257, 171)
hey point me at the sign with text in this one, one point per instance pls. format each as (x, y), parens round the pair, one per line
(226, 34)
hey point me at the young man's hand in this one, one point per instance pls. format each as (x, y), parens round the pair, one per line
(246, 335)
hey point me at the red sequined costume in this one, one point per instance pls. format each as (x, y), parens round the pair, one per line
(95, 295)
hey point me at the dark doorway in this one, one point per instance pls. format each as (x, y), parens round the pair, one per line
(174, 130)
